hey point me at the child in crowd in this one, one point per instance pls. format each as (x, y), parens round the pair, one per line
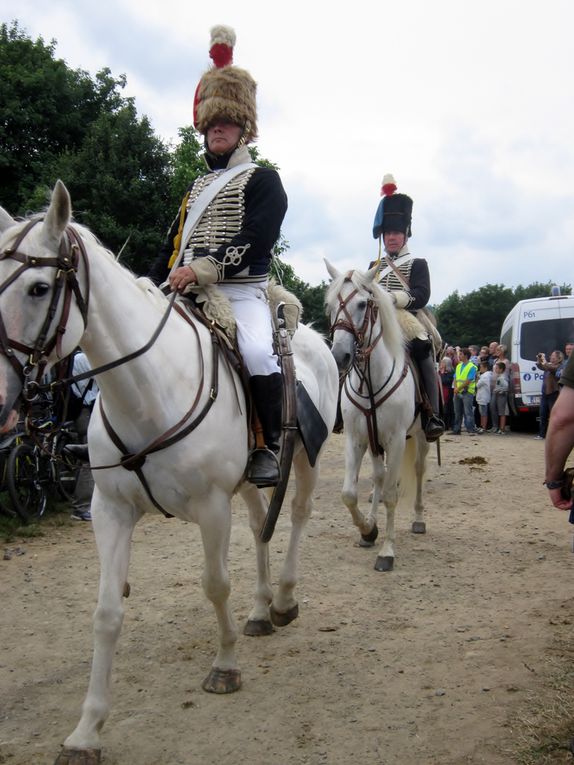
(501, 396)
(483, 393)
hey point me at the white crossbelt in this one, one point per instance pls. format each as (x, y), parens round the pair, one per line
(207, 195)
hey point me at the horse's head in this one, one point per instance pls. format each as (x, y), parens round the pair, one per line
(352, 312)
(42, 308)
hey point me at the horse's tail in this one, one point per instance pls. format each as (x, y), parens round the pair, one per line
(408, 475)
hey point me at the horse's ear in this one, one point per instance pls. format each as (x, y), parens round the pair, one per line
(331, 269)
(371, 274)
(58, 216)
(6, 221)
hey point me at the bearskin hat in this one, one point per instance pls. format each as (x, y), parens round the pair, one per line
(226, 91)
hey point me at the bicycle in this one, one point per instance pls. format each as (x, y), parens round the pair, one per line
(41, 464)
(7, 443)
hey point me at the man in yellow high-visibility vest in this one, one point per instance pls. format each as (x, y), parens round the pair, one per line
(464, 390)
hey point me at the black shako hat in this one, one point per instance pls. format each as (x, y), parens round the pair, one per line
(395, 211)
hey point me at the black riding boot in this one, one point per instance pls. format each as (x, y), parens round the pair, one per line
(422, 353)
(263, 465)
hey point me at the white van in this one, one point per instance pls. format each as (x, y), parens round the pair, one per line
(538, 324)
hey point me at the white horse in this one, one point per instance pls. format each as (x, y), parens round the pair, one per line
(378, 404)
(59, 288)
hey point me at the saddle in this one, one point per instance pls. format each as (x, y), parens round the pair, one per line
(210, 306)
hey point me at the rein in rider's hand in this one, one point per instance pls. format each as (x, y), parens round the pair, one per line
(182, 277)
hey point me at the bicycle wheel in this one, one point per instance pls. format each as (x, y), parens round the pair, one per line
(26, 491)
(67, 468)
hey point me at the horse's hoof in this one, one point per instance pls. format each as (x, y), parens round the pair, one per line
(419, 527)
(79, 757)
(222, 681)
(368, 540)
(384, 563)
(280, 619)
(258, 627)
(127, 590)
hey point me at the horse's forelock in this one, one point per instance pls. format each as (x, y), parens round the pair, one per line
(394, 339)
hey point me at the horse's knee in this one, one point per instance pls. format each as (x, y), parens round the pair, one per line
(107, 620)
(349, 497)
(216, 589)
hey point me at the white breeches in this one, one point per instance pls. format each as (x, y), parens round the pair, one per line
(254, 328)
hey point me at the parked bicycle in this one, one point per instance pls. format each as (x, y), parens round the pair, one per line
(7, 442)
(41, 464)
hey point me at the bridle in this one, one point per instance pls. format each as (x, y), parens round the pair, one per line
(364, 333)
(71, 253)
(364, 346)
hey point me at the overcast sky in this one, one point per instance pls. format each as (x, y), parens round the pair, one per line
(469, 105)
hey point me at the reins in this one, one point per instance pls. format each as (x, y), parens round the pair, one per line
(71, 249)
(361, 362)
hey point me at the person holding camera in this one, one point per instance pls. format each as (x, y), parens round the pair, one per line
(549, 393)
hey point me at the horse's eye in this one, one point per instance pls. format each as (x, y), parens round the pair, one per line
(362, 304)
(39, 289)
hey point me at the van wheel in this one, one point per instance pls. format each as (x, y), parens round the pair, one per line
(523, 423)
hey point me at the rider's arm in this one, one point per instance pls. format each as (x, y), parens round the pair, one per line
(418, 293)
(559, 443)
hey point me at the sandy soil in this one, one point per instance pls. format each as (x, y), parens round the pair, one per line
(432, 663)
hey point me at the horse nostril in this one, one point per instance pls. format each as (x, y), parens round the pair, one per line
(344, 361)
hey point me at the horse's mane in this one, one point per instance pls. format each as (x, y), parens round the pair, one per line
(393, 337)
(145, 285)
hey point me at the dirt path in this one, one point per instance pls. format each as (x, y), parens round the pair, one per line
(428, 664)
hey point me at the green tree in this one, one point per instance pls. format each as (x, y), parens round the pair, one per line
(312, 298)
(187, 164)
(476, 318)
(119, 181)
(46, 108)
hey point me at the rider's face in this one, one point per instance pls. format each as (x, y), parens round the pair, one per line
(394, 241)
(223, 137)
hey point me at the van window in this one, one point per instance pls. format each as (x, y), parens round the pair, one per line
(545, 336)
(506, 339)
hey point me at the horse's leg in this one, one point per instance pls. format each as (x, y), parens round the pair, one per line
(378, 476)
(285, 607)
(215, 525)
(419, 525)
(354, 453)
(113, 529)
(259, 620)
(395, 451)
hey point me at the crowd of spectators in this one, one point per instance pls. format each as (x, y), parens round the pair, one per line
(476, 382)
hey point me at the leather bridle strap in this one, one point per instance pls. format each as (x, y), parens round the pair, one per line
(371, 412)
(124, 359)
(346, 324)
(66, 263)
(360, 335)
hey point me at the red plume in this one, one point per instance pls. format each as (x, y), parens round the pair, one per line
(388, 189)
(221, 54)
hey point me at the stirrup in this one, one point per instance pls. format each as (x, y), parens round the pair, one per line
(263, 468)
(434, 428)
